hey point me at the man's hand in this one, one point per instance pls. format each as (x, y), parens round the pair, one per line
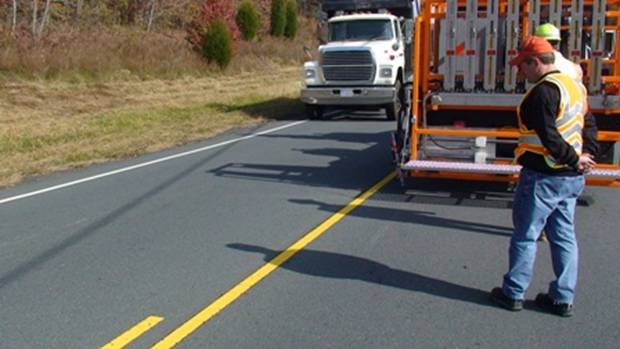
(585, 163)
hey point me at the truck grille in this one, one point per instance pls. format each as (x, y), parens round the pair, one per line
(348, 66)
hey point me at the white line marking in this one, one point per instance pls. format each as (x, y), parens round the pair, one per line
(149, 163)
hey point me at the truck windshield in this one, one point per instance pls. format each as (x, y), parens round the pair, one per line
(360, 30)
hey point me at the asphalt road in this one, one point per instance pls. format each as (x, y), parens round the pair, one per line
(134, 256)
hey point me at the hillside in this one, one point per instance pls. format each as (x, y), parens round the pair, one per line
(103, 87)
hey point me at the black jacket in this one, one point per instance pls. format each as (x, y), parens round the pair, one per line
(538, 113)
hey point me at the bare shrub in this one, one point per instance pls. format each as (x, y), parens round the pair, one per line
(99, 52)
(125, 52)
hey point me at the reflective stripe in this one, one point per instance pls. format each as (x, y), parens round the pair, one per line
(575, 122)
(569, 119)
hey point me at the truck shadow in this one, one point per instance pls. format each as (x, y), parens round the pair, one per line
(412, 216)
(362, 159)
(354, 115)
(285, 108)
(357, 169)
(281, 108)
(449, 193)
(341, 266)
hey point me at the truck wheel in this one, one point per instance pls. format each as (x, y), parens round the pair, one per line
(393, 109)
(314, 112)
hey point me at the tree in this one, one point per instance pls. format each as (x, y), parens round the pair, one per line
(278, 17)
(127, 10)
(14, 17)
(292, 25)
(210, 11)
(39, 25)
(78, 9)
(151, 15)
(247, 20)
(217, 43)
(35, 5)
(44, 19)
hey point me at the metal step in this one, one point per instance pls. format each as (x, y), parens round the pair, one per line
(501, 169)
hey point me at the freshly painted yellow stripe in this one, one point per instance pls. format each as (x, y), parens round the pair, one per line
(133, 333)
(231, 295)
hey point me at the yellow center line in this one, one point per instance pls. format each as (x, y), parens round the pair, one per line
(231, 295)
(133, 333)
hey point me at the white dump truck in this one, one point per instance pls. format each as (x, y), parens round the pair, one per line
(363, 63)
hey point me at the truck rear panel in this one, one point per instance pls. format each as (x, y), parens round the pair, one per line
(462, 122)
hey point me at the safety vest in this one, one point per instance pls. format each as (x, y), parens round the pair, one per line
(569, 119)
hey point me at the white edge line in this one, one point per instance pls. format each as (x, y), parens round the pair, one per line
(148, 163)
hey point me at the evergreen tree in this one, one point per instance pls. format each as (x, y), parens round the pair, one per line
(217, 43)
(278, 17)
(247, 20)
(292, 24)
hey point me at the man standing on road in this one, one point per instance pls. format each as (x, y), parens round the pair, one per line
(551, 33)
(551, 123)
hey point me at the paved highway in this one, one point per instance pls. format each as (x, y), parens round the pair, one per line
(255, 239)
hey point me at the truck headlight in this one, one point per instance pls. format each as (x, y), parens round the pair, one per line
(385, 72)
(309, 73)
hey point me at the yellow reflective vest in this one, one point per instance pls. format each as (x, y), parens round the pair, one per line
(569, 119)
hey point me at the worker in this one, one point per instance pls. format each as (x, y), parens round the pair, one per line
(552, 136)
(551, 33)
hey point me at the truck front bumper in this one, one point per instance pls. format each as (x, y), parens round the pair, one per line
(348, 96)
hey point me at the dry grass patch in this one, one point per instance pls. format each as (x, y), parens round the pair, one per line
(90, 94)
(49, 126)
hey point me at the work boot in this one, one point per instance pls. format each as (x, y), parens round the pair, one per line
(498, 297)
(548, 304)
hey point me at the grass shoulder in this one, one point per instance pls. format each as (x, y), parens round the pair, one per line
(47, 126)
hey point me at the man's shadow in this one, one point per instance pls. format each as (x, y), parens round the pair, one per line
(340, 266)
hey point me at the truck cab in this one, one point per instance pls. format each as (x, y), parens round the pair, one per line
(362, 65)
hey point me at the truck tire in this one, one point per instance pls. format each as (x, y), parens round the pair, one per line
(392, 110)
(314, 112)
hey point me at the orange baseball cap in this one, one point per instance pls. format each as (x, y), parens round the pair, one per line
(532, 46)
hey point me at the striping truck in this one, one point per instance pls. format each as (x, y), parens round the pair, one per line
(459, 106)
(364, 62)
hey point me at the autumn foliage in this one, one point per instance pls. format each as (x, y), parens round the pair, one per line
(210, 11)
(87, 39)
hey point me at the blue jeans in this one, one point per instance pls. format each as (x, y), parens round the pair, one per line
(544, 202)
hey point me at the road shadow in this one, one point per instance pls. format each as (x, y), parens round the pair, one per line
(349, 162)
(452, 192)
(412, 216)
(344, 137)
(341, 266)
(347, 168)
(354, 115)
(286, 108)
(444, 192)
